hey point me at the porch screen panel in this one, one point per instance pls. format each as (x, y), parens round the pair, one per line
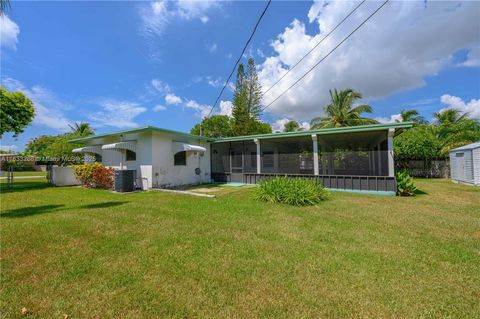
(220, 157)
(363, 154)
(249, 156)
(292, 155)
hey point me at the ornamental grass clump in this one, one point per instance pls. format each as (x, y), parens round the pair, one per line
(292, 191)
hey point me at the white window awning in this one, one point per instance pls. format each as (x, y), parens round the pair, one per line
(95, 149)
(184, 147)
(119, 146)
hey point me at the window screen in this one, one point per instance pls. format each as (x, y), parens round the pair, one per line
(180, 159)
(131, 156)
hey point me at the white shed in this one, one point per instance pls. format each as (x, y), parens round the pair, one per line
(465, 164)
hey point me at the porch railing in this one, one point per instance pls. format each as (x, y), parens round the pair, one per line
(346, 182)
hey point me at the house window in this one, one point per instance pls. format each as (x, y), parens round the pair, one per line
(131, 156)
(180, 159)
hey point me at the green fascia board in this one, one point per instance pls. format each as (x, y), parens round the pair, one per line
(138, 130)
(334, 130)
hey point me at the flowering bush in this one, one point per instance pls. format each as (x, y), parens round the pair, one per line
(94, 175)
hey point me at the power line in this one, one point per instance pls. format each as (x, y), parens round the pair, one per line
(326, 56)
(316, 45)
(239, 58)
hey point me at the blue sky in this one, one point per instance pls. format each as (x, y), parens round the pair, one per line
(125, 64)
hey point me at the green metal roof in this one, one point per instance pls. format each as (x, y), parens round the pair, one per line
(138, 130)
(334, 130)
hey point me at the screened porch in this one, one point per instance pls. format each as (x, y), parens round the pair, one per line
(359, 160)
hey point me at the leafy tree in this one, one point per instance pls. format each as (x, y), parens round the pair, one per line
(81, 129)
(60, 151)
(38, 146)
(261, 128)
(16, 113)
(412, 116)
(340, 112)
(214, 126)
(55, 148)
(418, 143)
(291, 126)
(246, 101)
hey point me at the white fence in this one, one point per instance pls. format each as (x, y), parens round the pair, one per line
(63, 176)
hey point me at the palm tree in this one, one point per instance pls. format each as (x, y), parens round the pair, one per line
(81, 129)
(411, 116)
(449, 117)
(454, 129)
(292, 126)
(340, 112)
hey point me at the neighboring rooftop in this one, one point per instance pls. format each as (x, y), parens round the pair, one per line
(467, 147)
(334, 130)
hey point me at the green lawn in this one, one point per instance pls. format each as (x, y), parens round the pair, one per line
(95, 254)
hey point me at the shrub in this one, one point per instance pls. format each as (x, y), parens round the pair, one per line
(292, 191)
(102, 176)
(84, 174)
(94, 175)
(17, 166)
(405, 185)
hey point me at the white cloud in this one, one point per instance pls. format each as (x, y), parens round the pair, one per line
(473, 57)
(279, 125)
(117, 114)
(260, 53)
(172, 99)
(305, 125)
(392, 119)
(394, 51)
(160, 86)
(472, 107)
(156, 16)
(214, 82)
(226, 108)
(9, 31)
(48, 108)
(201, 110)
(211, 47)
(158, 108)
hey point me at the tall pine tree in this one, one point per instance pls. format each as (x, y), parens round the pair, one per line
(246, 102)
(240, 110)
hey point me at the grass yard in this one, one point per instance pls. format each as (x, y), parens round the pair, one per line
(95, 254)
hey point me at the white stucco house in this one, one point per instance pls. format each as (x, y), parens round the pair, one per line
(349, 158)
(161, 158)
